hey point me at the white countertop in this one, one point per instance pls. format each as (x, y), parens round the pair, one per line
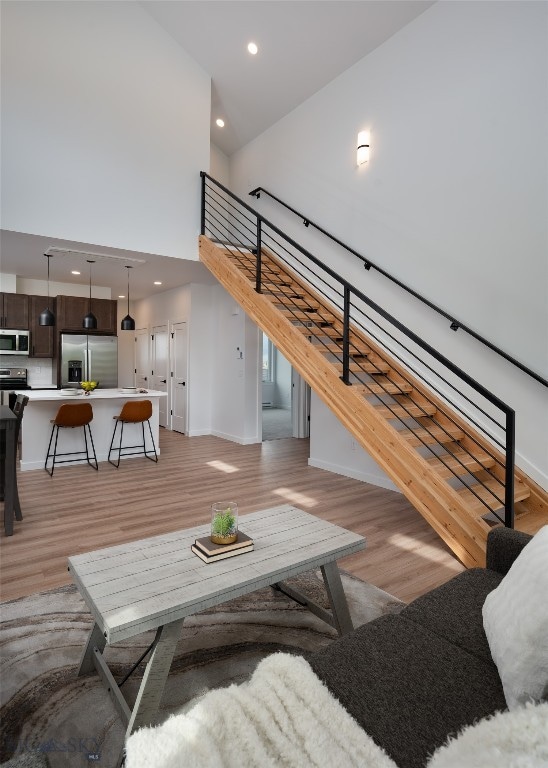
(38, 395)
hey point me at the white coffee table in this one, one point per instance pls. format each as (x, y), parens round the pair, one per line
(154, 583)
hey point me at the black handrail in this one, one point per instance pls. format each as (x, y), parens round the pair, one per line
(255, 246)
(368, 264)
(382, 312)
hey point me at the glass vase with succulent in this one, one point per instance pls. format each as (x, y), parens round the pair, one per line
(224, 522)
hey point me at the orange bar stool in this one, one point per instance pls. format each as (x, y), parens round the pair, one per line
(133, 412)
(72, 416)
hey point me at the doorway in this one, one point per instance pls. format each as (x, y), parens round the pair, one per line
(285, 401)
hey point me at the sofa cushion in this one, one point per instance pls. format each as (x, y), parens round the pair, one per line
(503, 547)
(453, 611)
(407, 687)
(515, 616)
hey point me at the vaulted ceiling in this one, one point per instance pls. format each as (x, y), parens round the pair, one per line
(302, 46)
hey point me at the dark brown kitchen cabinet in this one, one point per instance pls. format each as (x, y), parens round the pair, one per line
(71, 310)
(14, 311)
(42, 338)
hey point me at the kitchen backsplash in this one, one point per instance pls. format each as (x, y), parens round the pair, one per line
(39, 370)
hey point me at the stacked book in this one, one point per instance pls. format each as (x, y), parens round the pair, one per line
(210, 552)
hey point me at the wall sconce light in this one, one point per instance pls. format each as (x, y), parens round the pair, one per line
(90, 321)
(47, 318)
(128, 323)
(362, 152)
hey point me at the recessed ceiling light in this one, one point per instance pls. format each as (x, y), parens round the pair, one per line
(220, 122)
(157, 282)
(252, 48)
(75, 272)
(121, 297)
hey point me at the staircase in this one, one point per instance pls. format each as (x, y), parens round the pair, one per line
(450, 471)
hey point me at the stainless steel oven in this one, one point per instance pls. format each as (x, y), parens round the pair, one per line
(10, 379)
(14, 342)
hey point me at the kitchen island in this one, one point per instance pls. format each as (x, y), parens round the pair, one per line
(106, 403)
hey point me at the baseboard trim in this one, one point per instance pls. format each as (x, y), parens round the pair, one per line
(236, 438)
(364, 477)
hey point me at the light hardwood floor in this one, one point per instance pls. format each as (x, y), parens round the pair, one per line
(79, 509)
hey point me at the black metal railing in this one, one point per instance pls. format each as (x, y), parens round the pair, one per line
(341, 320)
(455, 324)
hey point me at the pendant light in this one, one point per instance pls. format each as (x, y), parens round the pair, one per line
(90, 321)
(128, 323)
(46, 316)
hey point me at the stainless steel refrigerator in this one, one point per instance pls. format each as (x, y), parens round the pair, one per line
(85, 357)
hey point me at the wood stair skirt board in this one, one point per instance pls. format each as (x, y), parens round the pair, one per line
(453, 513)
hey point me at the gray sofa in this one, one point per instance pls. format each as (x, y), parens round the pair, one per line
(413, 679)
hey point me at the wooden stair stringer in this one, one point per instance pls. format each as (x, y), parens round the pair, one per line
(439, 504)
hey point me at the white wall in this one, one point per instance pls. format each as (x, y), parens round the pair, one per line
(454, 199)
(201, 359)
(105, 127)
(126, 346)
(219, 165)
(235, 377)
(8, 283)
(341, 453)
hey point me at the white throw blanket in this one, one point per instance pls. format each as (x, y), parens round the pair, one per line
(515, 739)
(283, 717)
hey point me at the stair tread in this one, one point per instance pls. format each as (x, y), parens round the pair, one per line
(485, 491)
(364, 366)
(275, 284)
(291, 302)
(250, 266)
(314, 330)
(471, 463)
(313, 315)
(285, 294)
(335, 349)
(251, 260)
(434, 434)
(386, 388)
(396, 410)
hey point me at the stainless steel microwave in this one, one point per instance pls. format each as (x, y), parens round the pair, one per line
(14, 342)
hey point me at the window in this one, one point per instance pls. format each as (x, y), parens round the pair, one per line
(268, 360)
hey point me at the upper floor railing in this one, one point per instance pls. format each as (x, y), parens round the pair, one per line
(249, 238)
(455, 324)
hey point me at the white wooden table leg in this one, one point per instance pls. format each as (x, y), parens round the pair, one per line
(154, 679)
(96, 639)
(337, 598)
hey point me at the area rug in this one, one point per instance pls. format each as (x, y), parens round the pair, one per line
(47, 710)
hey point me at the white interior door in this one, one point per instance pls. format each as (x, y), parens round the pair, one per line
(300, 405)
(142, 358)
(179, 370)
(160, 369)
